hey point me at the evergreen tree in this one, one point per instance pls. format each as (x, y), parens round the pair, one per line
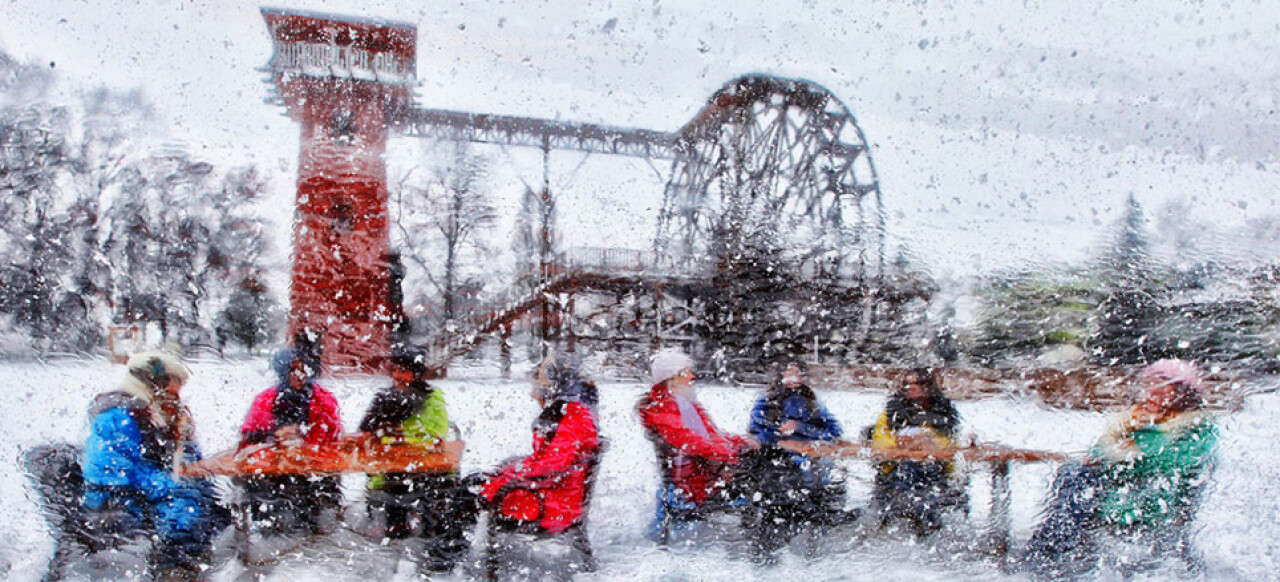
(251, 317)
(1127, 319)
(1208, 320)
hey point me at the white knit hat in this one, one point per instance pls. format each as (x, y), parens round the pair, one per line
(155, 367)
(667, 363)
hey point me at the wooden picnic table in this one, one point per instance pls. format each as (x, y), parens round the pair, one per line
(349, 454)
(997, 455)
(359, 453)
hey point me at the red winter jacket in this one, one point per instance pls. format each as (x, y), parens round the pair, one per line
(549, 486)
(693, 463)
(324, 424)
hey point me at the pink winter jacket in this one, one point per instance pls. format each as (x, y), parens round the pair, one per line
(324, 425)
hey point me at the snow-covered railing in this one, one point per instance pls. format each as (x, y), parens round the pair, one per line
(515, 303)
(462, 336)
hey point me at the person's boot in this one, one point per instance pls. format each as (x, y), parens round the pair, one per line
(175, 573)
(168, 569)
(766, 537)
(179, 560)
(442, 551)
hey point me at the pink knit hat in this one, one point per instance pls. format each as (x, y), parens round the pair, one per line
(1173, 371)
(1181, 373)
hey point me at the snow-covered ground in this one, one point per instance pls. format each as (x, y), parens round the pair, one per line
(1238, 521)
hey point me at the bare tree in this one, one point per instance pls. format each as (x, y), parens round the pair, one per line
(535, 240)
(441, 223)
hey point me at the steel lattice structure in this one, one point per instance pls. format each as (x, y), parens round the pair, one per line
(769, 166)
(540, 133)
(780, 157)
(780, 161)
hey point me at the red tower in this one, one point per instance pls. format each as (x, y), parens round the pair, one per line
(344, 82)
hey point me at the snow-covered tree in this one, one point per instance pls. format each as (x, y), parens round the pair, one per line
(38, 226)
(180, 239)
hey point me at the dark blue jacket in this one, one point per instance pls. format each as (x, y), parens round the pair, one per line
(813, 421)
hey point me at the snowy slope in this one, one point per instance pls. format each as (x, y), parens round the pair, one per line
(44, 403)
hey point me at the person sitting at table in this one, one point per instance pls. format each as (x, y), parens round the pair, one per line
(1142, 479)
(294, 411)
(696, 459)
(794, 489)
(547, 488)
(916, 417)
(431, 505)
(140, 435)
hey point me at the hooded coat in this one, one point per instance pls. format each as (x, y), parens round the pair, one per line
(280, 406)
(813, 421)
(692, 452)
(291, 504)
(417, 416)
(136, 444)
(1151, 477)
(1143, 476)
(917, 490)
(135, 447)
(937, 418)
(549, 487)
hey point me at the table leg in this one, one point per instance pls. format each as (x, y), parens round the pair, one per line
(1000, 502)
(242, 521)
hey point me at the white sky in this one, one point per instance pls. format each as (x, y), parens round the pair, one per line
(1004, 133)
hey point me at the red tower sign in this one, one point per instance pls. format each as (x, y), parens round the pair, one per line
(344, 81)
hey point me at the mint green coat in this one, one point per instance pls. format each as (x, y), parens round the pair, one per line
(1159, 482)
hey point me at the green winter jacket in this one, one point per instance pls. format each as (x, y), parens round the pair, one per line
(1153, 481)
(427, 426)
(430, 425)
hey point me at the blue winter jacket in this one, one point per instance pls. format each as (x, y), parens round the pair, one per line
(126, 456)
(813, 421)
